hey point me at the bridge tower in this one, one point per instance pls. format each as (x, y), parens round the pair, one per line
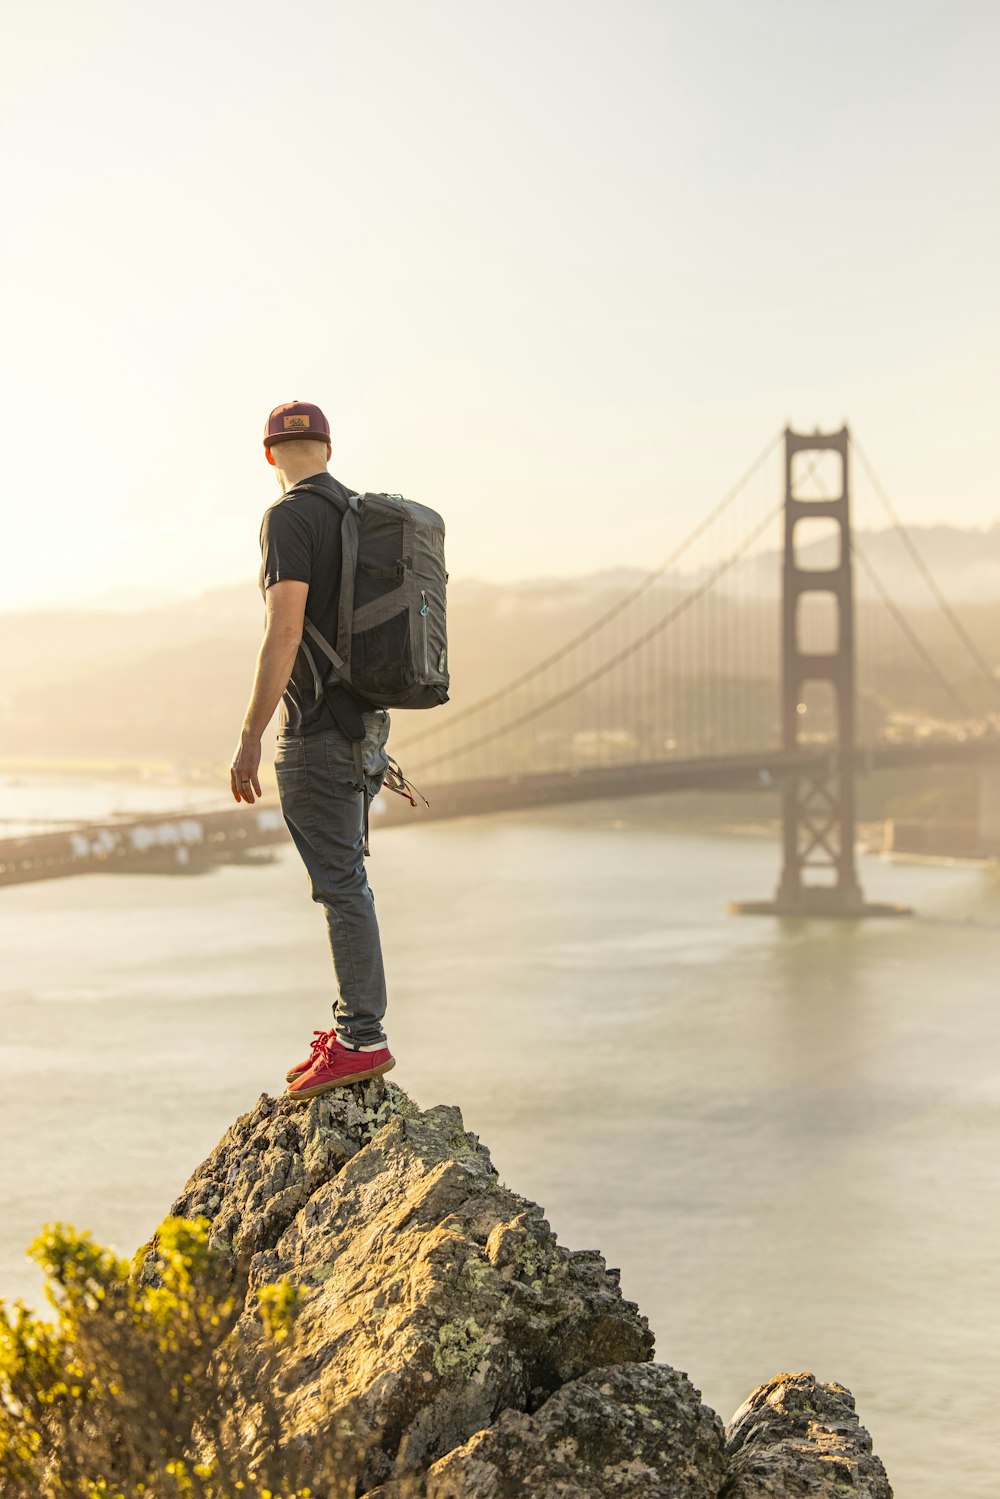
(818, 828)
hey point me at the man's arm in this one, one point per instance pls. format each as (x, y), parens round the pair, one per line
(285, 603)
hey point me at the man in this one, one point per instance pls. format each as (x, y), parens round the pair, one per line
(323, 781)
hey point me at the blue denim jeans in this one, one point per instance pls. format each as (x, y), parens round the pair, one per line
(321, 781)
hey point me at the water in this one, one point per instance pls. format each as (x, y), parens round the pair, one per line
(784, 1135)
(42, 803)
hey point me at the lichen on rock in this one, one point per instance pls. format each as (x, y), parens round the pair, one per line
(629, 1430)
(794, 1436)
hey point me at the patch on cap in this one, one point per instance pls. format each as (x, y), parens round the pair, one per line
(296, 424)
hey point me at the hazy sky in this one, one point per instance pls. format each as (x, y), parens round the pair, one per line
(534, 259)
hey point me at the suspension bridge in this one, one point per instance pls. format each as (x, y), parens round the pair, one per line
(756, 666)
(766, 651)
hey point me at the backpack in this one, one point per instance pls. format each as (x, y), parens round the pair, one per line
(391, 649)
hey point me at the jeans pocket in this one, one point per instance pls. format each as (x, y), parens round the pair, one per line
(340, 758)
(288, 755)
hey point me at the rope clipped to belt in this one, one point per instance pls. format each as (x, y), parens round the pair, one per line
(394, 780)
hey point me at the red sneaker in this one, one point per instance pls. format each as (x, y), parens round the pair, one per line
(315, 1052)
(337, 1065)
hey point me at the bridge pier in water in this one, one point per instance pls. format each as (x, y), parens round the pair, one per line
(818, 824)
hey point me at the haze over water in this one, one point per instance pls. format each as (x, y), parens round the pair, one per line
(783, 1135)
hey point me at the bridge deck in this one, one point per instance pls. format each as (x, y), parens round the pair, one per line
(192, 842)
(762, 770)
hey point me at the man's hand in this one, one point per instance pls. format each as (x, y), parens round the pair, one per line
(244, 772)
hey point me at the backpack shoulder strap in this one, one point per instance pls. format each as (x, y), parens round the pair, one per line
(350, 528)
(338, 661)
(341, 656)
(327, 495)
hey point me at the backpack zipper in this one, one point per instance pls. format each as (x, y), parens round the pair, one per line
(424, 611)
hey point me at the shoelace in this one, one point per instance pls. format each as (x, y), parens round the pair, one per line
(324, 1046)
(319, 1046)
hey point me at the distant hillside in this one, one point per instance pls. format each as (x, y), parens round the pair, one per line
(965, 564)
(172, 681)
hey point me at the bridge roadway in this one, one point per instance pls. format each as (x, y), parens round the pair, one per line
(761, 770)
(191, 842)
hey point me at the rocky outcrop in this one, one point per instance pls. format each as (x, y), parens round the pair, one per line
(633, 1429)
(465, 1352)
(796, 1437)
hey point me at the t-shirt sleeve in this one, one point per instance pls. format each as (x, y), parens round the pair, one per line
(286, 546)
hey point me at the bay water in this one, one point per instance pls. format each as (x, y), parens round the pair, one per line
(784, 1134)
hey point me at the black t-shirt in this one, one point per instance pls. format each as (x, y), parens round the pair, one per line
(300, 539)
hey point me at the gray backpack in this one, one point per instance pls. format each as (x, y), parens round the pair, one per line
(391, 649)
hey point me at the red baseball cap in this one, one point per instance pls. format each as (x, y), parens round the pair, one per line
(296, 419)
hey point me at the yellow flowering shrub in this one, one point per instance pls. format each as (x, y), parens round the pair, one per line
(146, 1385)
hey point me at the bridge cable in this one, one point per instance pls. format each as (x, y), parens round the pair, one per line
(903, 623)
(680, 608)
(609, 613)
(917, 559)
(909, 632)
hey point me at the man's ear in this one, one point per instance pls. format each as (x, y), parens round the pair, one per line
(270, 457)
(329, 451)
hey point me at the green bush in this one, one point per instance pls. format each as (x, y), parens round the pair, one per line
(147, 1383)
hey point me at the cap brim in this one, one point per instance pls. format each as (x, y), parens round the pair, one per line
(310, 436)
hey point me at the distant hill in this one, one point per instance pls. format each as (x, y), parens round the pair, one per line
(965, 564)
(172, 680)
